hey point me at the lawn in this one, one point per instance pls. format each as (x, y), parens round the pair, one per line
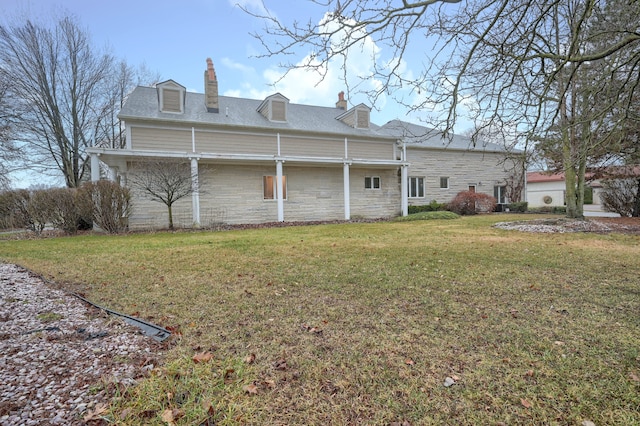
(363, 323)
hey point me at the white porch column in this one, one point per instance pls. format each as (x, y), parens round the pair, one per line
(195, 194)
(95, 168)
(347, 194)
(404, 181)
(279, 190)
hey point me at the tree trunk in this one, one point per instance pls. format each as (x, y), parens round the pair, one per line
(169, 206)
(582, 168)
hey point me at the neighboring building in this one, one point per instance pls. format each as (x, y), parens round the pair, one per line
(545, 189)
(440, 167)
(272, 160)
(549, 189)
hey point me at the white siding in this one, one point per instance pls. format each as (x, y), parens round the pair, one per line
(311, 147)
(233, 194)
(537, 191)
(484, 170)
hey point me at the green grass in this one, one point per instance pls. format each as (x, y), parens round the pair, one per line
(362, 323)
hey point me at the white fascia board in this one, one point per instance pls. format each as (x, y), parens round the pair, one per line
(107, 154)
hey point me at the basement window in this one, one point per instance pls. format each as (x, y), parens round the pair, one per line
(444, 183)
(372, 182)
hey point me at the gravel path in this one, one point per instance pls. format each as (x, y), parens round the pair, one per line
(60, 357)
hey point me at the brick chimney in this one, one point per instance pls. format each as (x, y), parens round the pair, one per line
(341, 104)
(211, 88)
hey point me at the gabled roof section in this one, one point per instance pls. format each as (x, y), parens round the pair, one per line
(171, 97)
(415, 135)
(535, 177)
(274, 107)
(357, 117)
(243, 114)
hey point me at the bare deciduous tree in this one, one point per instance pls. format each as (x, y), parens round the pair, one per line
(522, 62)
(164, 182)
(67, 91)
(110, 131)
(9, 152)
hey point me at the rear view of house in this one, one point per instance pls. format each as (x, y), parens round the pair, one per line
(256, 161)
(268, 160)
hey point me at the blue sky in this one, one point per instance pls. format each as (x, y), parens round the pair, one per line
(174, 38)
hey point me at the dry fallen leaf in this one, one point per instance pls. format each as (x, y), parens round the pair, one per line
(251, 389)
(250, 359)
(559, 342)
(456, 378)
(409, 361)
(525, 403)
(125, 413)
(270, 384)
(634, 377)
(96, 413)
(529, 373)
(202, 357)
(167, 416)
(280, 364)
(228, 375)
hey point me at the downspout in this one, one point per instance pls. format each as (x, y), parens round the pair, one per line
(195, 184)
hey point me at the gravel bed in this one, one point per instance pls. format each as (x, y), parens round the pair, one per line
(562, 225)
(60, 359)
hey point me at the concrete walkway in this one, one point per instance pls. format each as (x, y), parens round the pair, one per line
(595, 210)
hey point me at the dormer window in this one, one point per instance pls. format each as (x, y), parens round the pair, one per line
(171, 97)
(274, 108)
(357, 117)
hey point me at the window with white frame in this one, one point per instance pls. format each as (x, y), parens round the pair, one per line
(372, 182)
(416, 187)
(270, 187)
(444, 182)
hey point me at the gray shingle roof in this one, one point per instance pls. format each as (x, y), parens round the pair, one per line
(425, 137)
(240, 112)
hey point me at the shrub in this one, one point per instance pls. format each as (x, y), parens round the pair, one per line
(38, 210)
(67, 206)
(588, 195)
(428, 216)
(110, 204)
(621, 196)
(559, 210)
(433, 206)
(548, 210)
(13, 209)
(519, 207)
(469, 202)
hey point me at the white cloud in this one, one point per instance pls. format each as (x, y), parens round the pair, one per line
(308, 86)
(237, 66)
